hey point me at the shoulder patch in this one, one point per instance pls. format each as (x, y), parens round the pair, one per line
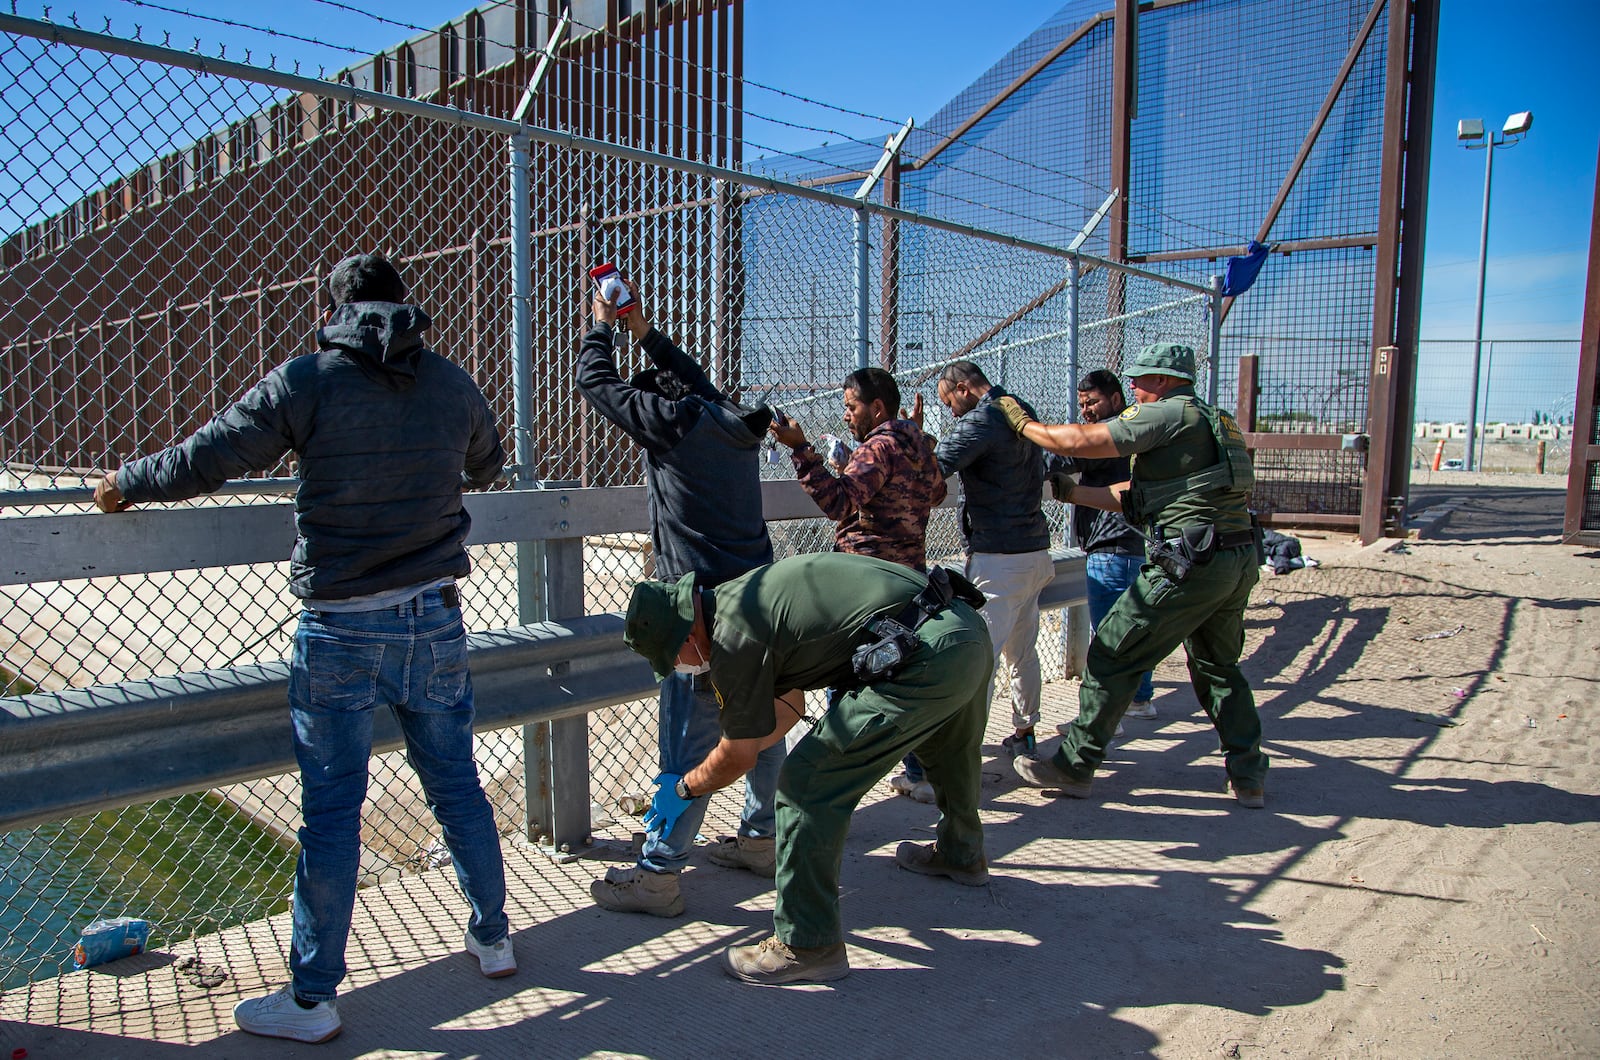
(1129, 413)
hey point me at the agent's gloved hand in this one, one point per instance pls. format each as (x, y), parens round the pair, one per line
(1062, 483)
(665, 806)
(1015, 414)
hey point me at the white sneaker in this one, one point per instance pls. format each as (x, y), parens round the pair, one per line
(280, 1016)
(1141, 708)
(919, 790)
(494, 961)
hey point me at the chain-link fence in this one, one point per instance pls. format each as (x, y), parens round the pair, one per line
(167, 229)
(1527, 390)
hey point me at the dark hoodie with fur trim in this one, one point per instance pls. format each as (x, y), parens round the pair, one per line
(385, 430)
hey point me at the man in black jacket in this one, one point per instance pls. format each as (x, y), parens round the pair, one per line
(1115, 550)
(702, 479)
(1008, 540)
(385, 430)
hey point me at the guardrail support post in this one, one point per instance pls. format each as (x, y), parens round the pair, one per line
(556, 753)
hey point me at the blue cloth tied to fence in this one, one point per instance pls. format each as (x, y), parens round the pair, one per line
(1242, 271)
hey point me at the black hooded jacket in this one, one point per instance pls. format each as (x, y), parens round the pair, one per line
(702, 459)
(385, 431)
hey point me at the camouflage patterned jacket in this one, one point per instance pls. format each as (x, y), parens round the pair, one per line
(882, 499)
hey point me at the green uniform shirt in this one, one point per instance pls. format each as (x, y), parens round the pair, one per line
(793, 625)
(1169, 439)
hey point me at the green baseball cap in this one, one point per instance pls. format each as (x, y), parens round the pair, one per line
(1162, 358)
(660, 615)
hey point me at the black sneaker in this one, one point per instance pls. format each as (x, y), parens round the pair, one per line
(1020, 745)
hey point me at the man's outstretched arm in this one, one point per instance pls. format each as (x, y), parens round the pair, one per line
(1091, 440)
(252, 434)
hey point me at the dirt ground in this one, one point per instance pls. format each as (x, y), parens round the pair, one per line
(1422, 882)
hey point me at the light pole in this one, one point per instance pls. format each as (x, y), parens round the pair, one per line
(1469, 131)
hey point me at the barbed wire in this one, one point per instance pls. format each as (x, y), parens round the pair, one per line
(236, 24)
(987, 207)
(891, 124)
(827, 134)
(1030, 192)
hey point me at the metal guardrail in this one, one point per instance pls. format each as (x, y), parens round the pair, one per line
(84, 750)
(92, 749)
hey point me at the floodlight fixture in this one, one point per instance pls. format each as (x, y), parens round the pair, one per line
(1518, 123)
(1469, 129)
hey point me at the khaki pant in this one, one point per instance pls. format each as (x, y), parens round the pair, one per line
(1205, 613)
(937, 706)
(1012, 582)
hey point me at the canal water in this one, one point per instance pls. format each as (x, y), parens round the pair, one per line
(190, 865)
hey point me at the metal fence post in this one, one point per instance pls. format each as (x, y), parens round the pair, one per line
(891, 148)
(1215, 353)
(529, 555)
(863, 289)
(1073, 365)
(1075, 632)
(1379, 520)
(549, 574)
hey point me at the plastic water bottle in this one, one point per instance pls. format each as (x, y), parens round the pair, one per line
(109, 940)
(834, 450)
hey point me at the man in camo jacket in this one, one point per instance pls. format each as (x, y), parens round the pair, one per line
(885, 489)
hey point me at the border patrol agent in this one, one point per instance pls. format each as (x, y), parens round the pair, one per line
(802, 623)
(1191, 478)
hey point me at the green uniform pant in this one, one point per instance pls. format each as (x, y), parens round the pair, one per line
(936, 705)
(1204, 613)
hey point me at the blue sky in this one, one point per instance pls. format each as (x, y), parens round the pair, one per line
(1494, 59)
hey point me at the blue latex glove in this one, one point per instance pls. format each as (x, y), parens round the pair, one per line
(665, 806)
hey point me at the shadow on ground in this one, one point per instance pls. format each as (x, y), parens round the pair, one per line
(1490, 514)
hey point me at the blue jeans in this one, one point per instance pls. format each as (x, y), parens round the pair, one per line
(1109, 575)
(690, 728)
(412, 658)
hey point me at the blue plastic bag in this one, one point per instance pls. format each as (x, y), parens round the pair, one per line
(110, 940)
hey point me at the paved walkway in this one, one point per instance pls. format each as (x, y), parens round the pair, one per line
(597, 983)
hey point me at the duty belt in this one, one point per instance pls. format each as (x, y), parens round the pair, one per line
(887, 642)
(1236, 539)
(1193, 546)
(1224, 539)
